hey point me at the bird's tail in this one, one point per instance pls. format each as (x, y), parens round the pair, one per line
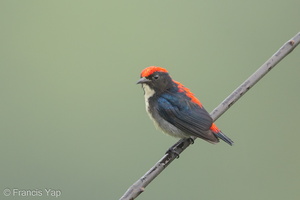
(218, 133)
(223, 137)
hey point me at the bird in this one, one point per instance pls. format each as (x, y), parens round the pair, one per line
(174, 108)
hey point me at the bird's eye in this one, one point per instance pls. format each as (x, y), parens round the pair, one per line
(155, 77)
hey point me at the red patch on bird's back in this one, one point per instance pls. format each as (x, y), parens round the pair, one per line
(214, 128)
(150, 70)
(188, 93)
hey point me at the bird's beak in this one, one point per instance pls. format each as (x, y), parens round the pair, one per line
(143, 80)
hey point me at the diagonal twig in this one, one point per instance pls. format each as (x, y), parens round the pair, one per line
(139, 186)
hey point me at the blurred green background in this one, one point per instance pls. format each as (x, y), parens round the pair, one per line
(73, 119)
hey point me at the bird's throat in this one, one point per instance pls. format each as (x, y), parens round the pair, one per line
(148, 91)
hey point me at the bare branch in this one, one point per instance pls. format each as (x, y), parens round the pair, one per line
(139, 186)
(287, 48)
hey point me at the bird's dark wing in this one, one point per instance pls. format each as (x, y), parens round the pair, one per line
(186, 116)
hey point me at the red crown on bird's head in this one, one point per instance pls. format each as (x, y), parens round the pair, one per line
(150, 70)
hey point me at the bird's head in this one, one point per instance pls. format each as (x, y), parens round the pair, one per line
(155, 79)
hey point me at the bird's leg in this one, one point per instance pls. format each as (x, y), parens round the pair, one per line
(173, 148)
(190, 140)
